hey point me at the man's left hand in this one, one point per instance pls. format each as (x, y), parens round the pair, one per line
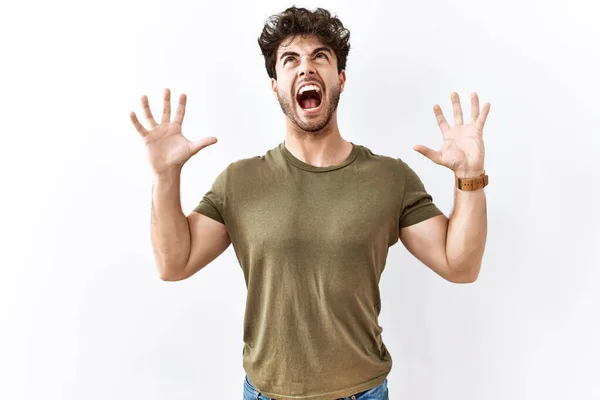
(462, 150)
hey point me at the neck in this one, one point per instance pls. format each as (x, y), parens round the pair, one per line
(323, 148)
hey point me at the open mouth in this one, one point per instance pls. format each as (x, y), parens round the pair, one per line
(309, 97)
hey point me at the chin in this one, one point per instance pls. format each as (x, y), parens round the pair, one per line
(314, 126)
(313, 120)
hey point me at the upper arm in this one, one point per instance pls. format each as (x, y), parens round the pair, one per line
(423, 227)
(209, 237)
(208, 240)
(426, 241)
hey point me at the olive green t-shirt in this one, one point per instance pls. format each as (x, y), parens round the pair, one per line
(312, 243)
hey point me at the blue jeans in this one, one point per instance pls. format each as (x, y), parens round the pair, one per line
(377, 393)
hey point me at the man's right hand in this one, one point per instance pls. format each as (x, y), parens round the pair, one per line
(167, 148)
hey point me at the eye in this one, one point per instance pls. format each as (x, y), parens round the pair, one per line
(321, 55)
(288, 58)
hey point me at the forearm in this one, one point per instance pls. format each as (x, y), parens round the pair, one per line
(467, 232)
(169, 227)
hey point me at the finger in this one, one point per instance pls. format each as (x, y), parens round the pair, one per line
(458, 116)
(180, 113)
(141, 130)
(439, 116)
(483, 117)
(433, 155)
(474, 107)
(202, 143)
(166, 116)
(147, 112)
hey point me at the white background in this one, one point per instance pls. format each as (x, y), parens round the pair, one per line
(83, 312)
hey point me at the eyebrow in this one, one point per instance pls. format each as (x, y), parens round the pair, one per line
(293, 53)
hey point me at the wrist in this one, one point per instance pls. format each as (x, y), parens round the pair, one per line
(469, 173)
(169, 174)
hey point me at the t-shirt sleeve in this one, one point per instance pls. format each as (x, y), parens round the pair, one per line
(213, 202)
(417, 205)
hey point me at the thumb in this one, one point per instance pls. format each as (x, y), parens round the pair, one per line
(198, 145)
(433, 155)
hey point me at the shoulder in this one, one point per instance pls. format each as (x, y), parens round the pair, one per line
(247, 167)
(389, 163)
(251, 163)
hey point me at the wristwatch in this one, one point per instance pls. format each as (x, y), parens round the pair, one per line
(470, 184)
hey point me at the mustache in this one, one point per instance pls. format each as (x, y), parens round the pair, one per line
(308, 80)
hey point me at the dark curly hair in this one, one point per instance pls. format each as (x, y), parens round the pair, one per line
(300, 21)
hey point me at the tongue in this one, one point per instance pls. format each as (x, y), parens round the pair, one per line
(309, 103)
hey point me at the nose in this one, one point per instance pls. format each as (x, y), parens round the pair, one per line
(306, 67)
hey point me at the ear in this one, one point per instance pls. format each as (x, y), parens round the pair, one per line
(342, 78)
(274, 88)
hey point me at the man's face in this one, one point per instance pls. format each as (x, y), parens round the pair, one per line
(308, 85)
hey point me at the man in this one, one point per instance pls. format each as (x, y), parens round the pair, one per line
(312, 220)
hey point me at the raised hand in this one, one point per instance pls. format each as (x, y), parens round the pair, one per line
(462, 150)
(167, 148)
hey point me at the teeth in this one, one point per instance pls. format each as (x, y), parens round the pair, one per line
(308, 87)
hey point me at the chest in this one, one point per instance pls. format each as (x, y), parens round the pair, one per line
(317, 214)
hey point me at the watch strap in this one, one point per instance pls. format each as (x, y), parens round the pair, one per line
(471, 184)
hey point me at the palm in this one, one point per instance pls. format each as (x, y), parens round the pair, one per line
(167, 145)
(462, 150)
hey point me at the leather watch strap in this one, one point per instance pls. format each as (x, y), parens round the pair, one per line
(470, 184)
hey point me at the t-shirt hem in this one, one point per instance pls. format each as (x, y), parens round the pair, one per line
(210, 212)
(332, 395)
(420, 216)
